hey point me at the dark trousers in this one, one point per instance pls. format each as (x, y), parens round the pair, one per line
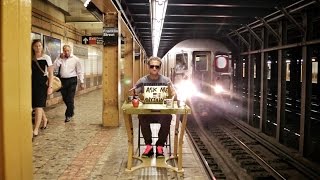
(163, 119)
(68, 92)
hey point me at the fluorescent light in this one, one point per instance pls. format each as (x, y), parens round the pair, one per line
(158, 12)
(86, 3)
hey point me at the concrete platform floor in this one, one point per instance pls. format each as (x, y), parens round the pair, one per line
(83, 149)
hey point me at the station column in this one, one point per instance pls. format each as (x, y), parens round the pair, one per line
(15, 90)
(128, 60)
(136, 64)
(111, 71)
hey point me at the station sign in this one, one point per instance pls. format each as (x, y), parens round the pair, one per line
(110, 35)
(98, 40)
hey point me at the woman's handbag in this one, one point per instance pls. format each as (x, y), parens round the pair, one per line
(56, 82)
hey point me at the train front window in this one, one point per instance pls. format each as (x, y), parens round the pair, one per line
(201, 62)
(181, 62)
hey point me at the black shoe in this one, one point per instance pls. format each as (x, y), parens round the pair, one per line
(68, 119)
(148, 152)
(45, 125)
(159, 152)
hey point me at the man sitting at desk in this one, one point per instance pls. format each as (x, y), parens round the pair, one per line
(143, 84)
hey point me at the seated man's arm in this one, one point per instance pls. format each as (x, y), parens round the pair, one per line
(138, 89)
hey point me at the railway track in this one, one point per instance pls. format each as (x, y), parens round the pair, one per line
(228, 152)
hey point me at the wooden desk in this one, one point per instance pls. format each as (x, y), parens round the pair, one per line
(128, 110)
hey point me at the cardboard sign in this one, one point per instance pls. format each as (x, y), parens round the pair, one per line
(155, 94)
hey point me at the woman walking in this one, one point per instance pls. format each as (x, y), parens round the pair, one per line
(42, 71)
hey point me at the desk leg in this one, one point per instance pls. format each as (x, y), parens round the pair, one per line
(129, 127)
(176, 133)
(182, 131)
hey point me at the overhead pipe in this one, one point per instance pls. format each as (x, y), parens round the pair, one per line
(293, 45)
(128, 22)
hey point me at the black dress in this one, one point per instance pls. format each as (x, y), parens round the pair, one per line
(39, 86)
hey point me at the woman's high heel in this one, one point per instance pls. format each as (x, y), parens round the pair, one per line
(45, 124)
(35, 134)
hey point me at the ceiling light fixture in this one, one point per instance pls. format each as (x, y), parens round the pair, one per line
(86, 3)
(158, 12)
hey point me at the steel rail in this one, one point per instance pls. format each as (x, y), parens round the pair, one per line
(203, 160)
(311, 173)
(202, 133)
(269, 168)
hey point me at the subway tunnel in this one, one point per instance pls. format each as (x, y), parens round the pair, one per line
(263, 55)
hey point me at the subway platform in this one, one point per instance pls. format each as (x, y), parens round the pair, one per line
(84, 149)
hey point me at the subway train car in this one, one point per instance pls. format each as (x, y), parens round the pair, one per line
(201, 71)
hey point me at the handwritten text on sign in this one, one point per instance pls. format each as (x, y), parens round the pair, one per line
(155, 94)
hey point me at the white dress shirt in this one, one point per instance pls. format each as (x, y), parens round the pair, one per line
(70, 67)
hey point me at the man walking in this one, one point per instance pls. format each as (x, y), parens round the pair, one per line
(70, 70)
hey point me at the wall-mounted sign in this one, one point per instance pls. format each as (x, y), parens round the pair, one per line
(110, 36)
(98, 40)
(80, 51)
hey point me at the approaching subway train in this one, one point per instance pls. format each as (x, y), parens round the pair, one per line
(201, 71)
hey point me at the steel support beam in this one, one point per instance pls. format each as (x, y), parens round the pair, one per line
(265, 23)
(242, 38)
(287, 15)
(283, 47)
(232, 41)
(298, 6)
(250, 89)
(306, 94)
(254, 35)
(281, 98)
(263, 88)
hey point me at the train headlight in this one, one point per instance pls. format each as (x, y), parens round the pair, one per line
(221, 63)
(218, 89)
